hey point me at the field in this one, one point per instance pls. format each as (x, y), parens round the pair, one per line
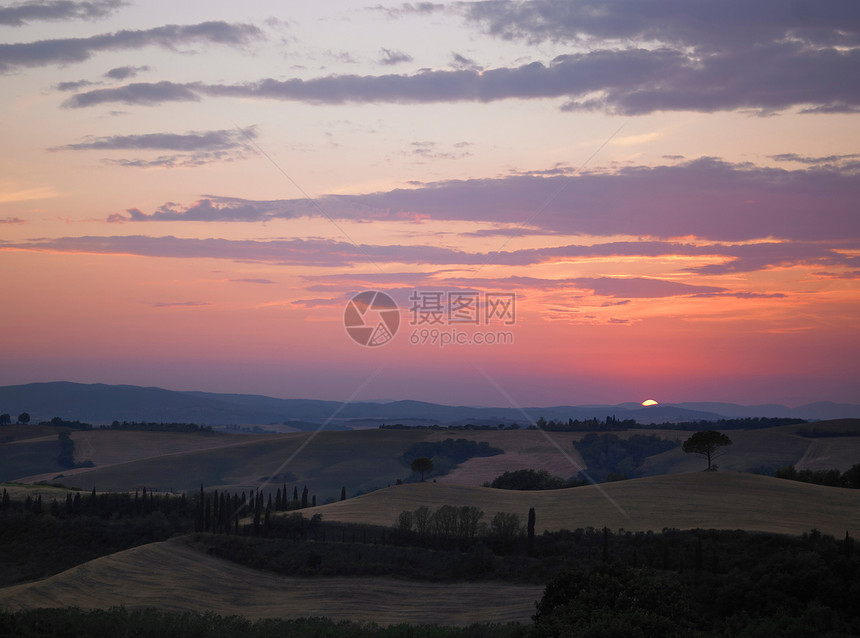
(364, 460)
(674, 494)
(717, 500)
(172, 577)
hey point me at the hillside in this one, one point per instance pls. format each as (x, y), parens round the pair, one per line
(718, 500)
(363, 460)
(173, 577)
(101, 404)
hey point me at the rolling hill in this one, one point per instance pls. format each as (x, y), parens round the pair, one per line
(173, 577)
(709, 500)
(363, 460)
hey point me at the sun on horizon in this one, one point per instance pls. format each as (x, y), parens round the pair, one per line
(648, 402)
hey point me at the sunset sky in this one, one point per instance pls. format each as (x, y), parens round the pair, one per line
(191, 193)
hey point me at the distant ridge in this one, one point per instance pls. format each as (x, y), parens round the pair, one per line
(100, 403)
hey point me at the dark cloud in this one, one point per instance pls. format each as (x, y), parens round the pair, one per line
(642, 57)
(769, 255)
(223, 139)
(390, 57)
(462, 62)
(140, 93)
(706, 198)
(621, 287)
(806, 159)
(195, 148)
(21, 13)
(12, 220)
(73, 85)
(854, 274)
(628, 81)
(707, 25)
(730, 259)
(65, 51)
(125, 72)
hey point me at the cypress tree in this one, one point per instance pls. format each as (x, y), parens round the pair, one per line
(258, 512)
(531, 530)
(606, 544)
(305, 497)
(343, 493)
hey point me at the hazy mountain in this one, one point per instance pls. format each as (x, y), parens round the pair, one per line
(100, 404)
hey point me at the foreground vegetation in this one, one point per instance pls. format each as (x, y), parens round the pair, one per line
(599, 582)
(151, 623)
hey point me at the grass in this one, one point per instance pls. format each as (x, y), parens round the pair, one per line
(173, 577)
(717, 500)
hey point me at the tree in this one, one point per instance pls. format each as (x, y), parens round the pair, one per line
(531, 530)
(421, 465)
(24, 418)
(852, 477)
(707, 443)
(5, 419)
(343, 493)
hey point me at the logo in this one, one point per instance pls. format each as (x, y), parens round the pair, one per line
(371, 318)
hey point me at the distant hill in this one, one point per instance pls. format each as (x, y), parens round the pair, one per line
(101, 404)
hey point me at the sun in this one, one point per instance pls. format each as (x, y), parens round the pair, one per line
(648, 402)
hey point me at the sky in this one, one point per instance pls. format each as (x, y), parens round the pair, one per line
(563, 202)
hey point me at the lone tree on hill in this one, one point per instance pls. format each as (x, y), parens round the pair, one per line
(422, 464)
(24, 418)
(707, 443)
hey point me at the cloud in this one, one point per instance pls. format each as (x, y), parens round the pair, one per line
(73, 85)
(707, 25)
(410, 8)
(196, 148)
(770, 255)
(125, 72)
(637, 58)
(806, 159)
(630, 81)
(12, 220)
(218, 140)
(429, 150)
(327, 253)
(706, 198)
(854, 274)
(21, 13)
(180, 304)
(621, 287)
(69, 50)
(253, 281)
(179, 160)
(462, 62)
(391, 57)
(140, 93)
